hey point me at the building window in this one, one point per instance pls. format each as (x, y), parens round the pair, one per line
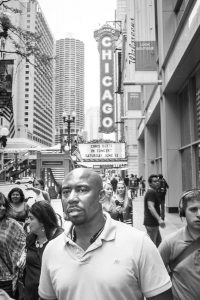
(185, 121)
(26, 90)
(28, 7)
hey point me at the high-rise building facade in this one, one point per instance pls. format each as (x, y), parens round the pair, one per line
(92, 124)
(69, 87)
(32, 91)
(169, 137)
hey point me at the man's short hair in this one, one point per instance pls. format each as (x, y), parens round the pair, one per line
(190, 195)
(151, 178)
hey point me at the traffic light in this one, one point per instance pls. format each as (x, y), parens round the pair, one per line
(3, 141)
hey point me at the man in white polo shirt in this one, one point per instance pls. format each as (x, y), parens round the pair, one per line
(97, 257)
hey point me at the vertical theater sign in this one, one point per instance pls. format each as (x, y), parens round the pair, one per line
(106, 37)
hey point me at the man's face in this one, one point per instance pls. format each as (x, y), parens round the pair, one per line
(154, 183)
(80, 197)
(192, 214)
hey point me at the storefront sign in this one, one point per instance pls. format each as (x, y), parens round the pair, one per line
(105, 37)
(134, 101)
(145, 56)
(131, 53)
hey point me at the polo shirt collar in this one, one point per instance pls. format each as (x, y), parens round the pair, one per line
(109, 230)
(107, 234)
(187, 235)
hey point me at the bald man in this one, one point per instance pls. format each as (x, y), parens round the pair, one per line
(97, 257)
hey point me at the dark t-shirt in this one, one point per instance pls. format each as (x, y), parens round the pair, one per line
(33, 265)
(149, 219)
(126, 181)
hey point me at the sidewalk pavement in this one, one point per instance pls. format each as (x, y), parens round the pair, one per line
(172, 220)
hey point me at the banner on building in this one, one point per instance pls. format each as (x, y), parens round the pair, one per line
(6, 105)
(134, 101)
(145, 56)
(105, 36)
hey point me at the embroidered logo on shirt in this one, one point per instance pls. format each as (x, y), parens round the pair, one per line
(116, 261)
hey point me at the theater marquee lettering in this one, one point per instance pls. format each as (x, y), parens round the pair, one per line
(102, 151)
(105, 37)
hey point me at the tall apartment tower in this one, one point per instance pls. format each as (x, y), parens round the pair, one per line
(32, 91)
(69, 87)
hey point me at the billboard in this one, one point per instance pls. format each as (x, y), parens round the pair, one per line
(105, 37)
(99, 151)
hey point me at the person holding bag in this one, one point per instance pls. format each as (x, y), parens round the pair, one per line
(180, 250)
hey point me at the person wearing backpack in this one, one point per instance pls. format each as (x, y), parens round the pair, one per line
(180, 250)
(162, 190)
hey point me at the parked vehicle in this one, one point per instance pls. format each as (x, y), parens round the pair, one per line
(24, 180)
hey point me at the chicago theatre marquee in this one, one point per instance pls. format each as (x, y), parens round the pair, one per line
(106, 37)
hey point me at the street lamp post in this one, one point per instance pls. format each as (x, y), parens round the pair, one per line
(69, 119)
(4, 132)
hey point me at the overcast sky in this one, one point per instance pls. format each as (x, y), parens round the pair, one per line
(81, 18)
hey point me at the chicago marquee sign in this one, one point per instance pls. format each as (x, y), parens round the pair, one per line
(105, 36)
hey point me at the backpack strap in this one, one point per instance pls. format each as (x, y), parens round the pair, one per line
(195, 245)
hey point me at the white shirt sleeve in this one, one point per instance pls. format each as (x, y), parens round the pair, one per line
(46, 289)
(153, 274)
